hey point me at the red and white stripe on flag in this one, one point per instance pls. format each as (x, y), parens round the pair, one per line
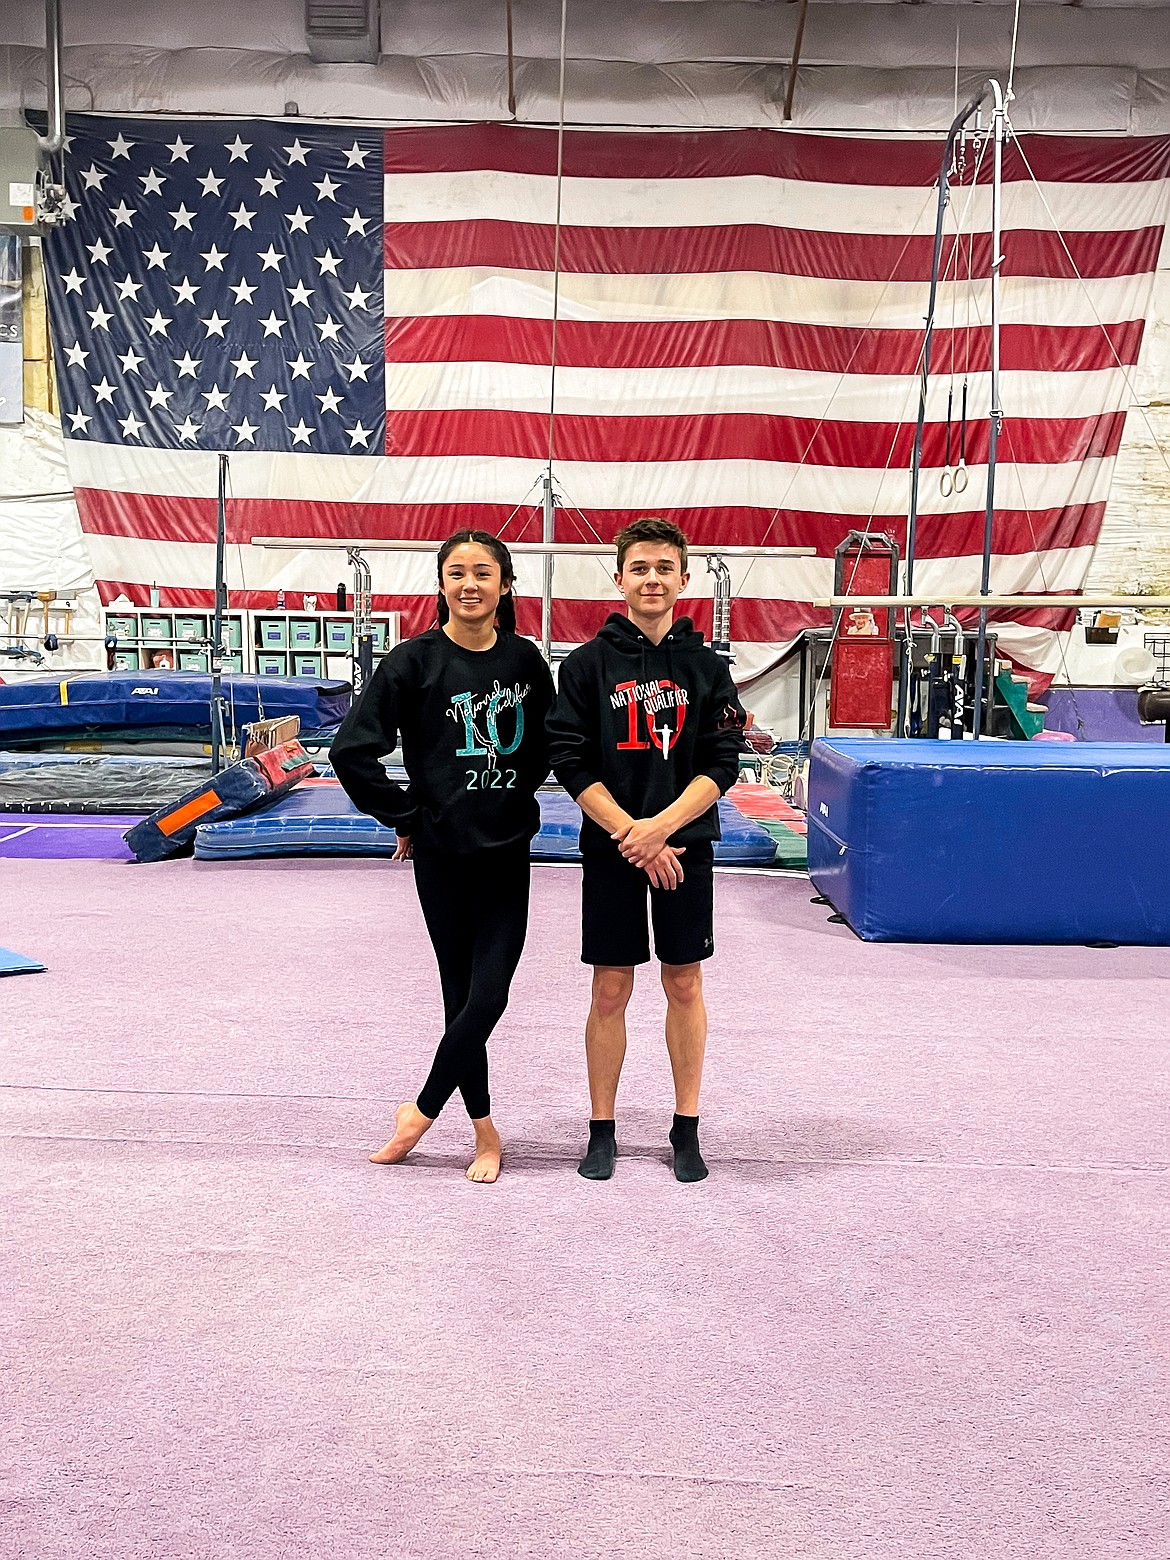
(740, 323)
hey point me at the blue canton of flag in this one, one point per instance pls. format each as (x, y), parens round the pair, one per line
(219, 286)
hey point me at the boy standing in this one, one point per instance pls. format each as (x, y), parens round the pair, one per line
(645, 735)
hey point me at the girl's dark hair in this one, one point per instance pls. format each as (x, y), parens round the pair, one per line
(506, 611)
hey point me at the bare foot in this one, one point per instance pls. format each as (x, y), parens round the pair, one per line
(409, 1126)
(488, 1152)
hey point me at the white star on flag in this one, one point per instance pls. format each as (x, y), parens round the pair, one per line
(296, 153)
(128, 287)
(123, 214)
(243, 290)
(239, 149)
(301, 432)
(300, 366)
(298, 221)
(188, 429)
(185, 290)
(329, 328)
(273, 399)
(325, 190)
(103, 391)
(242, 217)
(152, 182)
(328, 263)
(182, 218)
(359, 435)
(214, 258)
(273, 325)
(213, 324)
(244, 365)
(356, 370)
(269, 184)
(100, 253)
(130, 361)
(330, 401)
(158, 396)
(217, 398)
(131, 425)
(271, 258)
(245, 431)
(80, 421)
(357, 224)
(93, 179)
(120, 147)
(300, 294)
(158, 323)
(100, 318)
(179, 148)
(210, 182)
(357, 298)
(188, 367)
(157, 257)
(74, 281)
(355, 157)
(76, 355)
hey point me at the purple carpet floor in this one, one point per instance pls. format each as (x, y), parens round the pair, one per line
(918, 1311)
(64, 837)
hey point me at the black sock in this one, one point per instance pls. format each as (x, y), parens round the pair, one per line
(597, 1164)
(684, 1139)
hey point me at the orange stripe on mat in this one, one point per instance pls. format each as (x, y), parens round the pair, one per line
(173, 822)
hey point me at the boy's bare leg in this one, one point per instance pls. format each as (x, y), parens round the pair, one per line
(686, 1042)
(488, 1151)
(605, 1051)
(409, 1126)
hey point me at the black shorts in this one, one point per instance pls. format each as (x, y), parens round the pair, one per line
(614, 927)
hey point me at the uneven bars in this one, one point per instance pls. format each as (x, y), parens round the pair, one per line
(572, 549)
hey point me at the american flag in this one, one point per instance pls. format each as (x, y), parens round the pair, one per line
(363, 319)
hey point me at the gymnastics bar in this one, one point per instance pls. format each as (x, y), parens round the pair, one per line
(556, 549)
(1061, 602)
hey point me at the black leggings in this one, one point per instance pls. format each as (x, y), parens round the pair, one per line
(476, 910)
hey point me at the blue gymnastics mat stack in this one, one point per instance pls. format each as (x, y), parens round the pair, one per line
(318, 819)
(992, 842)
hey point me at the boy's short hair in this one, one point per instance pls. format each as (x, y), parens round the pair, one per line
(652, 528)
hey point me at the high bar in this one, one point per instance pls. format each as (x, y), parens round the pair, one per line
(992, 601)
(557, 549)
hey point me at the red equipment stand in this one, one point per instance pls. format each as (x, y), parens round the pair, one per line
(862, 677)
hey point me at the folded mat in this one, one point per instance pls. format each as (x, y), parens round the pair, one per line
(318, 819)
(264, 776)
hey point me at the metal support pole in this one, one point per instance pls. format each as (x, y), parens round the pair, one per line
(998, 123)
(548, 528)
(218, 741)
(51, 143)
(363, 627)
(944, 186)
(721, 607)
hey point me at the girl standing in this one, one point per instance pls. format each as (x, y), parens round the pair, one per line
(469, 700)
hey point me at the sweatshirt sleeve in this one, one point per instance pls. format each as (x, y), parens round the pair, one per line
(367, 734)
(718, 748)
(572, 734)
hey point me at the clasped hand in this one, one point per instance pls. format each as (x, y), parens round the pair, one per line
(643, 843)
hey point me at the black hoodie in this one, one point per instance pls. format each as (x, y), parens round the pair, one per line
(473, 742)
(645, 720)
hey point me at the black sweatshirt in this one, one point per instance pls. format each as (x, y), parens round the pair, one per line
(645, 720)
(473, 741)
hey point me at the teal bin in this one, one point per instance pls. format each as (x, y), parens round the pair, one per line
(157, 629)
(339, 635)
(379, 628)
(306, 665)
(122, 627)
(233, 633)
(269, 665)
(304, 634)
(274, 633)
(126, 661)
(192, 661)
(232, 662)
(189, 628)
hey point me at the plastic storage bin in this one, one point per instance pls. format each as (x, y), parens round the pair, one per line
(157, 629)
(121, 626)
(192, 661)
(270, 665)
(273, 633)
(304, 634)
(305, 665)
(189, 627)
(339, 635)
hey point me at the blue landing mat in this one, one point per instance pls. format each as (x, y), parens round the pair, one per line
(17, 964)
(320, 820)
(157, 704)
(993, 842)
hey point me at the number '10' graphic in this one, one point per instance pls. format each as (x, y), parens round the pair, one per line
(633, 742)
(471, 739)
